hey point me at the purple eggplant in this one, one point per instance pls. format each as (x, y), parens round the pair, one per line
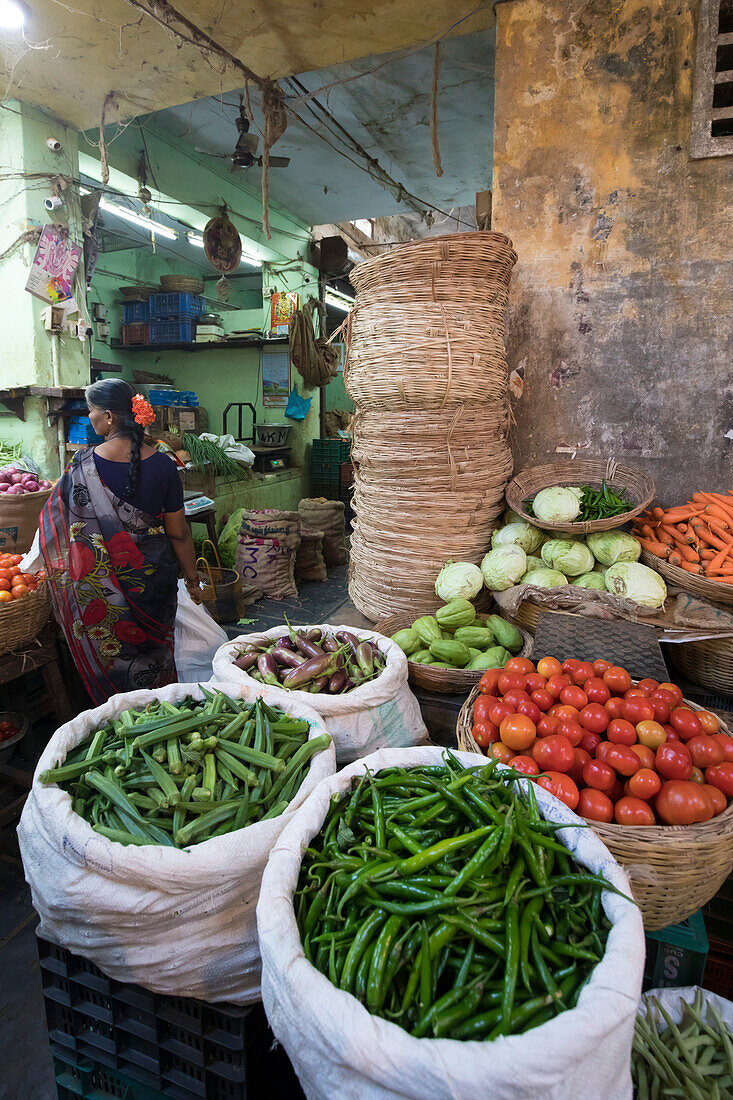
(330, 643)
(365, 657)
(283, 673)
(350, 640)
(309, 671)
(246, 661)
(285, 643)
(315, 634)
(337, 681)
(287, 658)
(309, 648)
(348, 686)
(267, 668)
(319, 685)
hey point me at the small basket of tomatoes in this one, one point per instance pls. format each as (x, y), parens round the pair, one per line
(25, 604)
(650, 772)
(13, 728)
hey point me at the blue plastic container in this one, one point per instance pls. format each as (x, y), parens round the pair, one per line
(175, 307)
(81, 431)
(134, 313)
(171, 332)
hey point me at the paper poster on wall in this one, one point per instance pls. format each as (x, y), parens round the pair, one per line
(341, 349)
(275, 379)
(54, 265)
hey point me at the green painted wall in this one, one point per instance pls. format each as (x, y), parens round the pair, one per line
(336, 397)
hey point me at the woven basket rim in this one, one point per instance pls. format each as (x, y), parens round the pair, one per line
(700, 586)
(425, 244)
(22, 620)
(531, 479)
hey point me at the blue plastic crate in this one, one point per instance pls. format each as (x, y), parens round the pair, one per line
(174, 307)
(134, 313)
(81, 431)
(164, 397)
(171, 332)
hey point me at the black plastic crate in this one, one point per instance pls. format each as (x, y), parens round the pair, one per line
(333, 451)
(77, 1077)
(184, 1048)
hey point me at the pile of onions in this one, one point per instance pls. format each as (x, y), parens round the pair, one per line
(16, 482)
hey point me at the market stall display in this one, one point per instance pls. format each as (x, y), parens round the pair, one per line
(25, 603)
(23, 492)
(607, 495)
(406, 953)
(652, 773)
(357, 680)
(89, 889)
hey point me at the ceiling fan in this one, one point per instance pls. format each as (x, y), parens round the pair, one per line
(245, 151)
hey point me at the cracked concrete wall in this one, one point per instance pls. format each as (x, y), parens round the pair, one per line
(621, 306)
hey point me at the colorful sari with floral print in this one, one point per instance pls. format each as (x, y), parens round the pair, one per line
(113, 578)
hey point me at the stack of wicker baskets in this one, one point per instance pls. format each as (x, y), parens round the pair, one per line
(426, 368)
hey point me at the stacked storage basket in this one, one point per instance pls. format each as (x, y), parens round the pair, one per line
(135, 327)
(426, 368)
(173, 317)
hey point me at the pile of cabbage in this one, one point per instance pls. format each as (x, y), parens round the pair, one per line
(523, 554)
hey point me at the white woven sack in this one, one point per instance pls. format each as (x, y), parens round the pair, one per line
(338, 1049)
(380, 714)
(175, 921)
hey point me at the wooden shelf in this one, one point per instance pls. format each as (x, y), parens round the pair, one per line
(214, 345)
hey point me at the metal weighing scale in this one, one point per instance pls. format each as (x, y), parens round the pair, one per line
(269, 458)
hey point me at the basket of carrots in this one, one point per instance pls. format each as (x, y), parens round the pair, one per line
(691, 546)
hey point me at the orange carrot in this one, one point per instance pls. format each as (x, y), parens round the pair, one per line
(675, 558)
(707, 555)
(690, 567)
(689, 554)
(677, 515)
(716, 563)
(720, 501)
(718, 512)
(727, 571)
(658, 513)
(657, 548)
(710, 539)
(721, 530)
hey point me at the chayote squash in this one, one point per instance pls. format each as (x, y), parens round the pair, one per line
(455, 653)
(476, 636)
(455, 614)
(427, 629)
(422, 656)
(506, 634)
(407, 640)
(496, 657)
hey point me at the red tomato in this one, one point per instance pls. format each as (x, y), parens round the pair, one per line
(726, 743)
(563, 712)
(498, 711)
(637, 709)
(518, 732)
(721, 776)
(709, 722)
(16, 559)
(648, 686)
(622, 760)
(600, 666)
(582, 672)
(14, 571)
(651, 734)
(602, 750)
(485, 733)
(534, 682)
(489, 682)
(674, 691)
(526, 765)
(481, 708)
(635, 693)
(617, 680)
(561, 786)
(500, 752)
(645, 784)
(682, 803)
(549, 666)
(573, 696)
(615, 706)
(685, 722)
(673, 761)
(590, 742)
(621, 732)
(594, 718)
(633, 811)
(581, 759)
(530, 710)
(554, 753)
(521, 665)
(547, 725)
(542, 699)
(514, 697)
(4, 585)
(716, 797)
(705, 751)
(571, 730)
(662, 701)
(598, 775)
(672, 734)
(555, 685)
(645, 755)
(595, 805)
(18, 591)
(596, 690)
(509, 680)
(569, 664)
(616, 792)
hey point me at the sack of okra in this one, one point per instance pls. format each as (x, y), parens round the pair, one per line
(157, 884)
(435, 957)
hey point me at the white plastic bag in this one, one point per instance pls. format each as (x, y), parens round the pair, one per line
(197, 638)
(33, 560)
(338, 1049)
(381, 714)
(230, 447)
(175, 921)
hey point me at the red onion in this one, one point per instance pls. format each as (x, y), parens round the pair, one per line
(16, 479)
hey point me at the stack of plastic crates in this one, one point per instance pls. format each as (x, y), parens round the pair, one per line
(173, 317)
(327, 457)
(135, 329)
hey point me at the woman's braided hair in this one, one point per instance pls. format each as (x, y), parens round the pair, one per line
(115, 395)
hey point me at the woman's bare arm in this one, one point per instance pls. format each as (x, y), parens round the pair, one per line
(179, 533)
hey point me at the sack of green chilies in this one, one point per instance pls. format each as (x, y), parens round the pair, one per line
(175, 920)
(456, 638)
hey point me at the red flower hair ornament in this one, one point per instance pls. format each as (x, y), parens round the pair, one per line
(142, 410)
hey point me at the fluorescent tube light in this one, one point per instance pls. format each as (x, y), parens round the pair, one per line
(137, 219)
(337, 300)
(247, 258)
(12, 15)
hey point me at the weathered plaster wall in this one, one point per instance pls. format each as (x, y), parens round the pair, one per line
(622, 300)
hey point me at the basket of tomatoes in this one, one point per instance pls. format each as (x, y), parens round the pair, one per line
(25, 603)
(651, 773)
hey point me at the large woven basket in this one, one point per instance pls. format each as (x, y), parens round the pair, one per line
(446, 681)
(708, 662)
(137, 293)
(635, 485)
(674, 869)
(689, 582)
(181, 284)
(454, 257)
(21, 620)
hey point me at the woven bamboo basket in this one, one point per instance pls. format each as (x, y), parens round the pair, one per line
(446, 681)
(527, 616)
(708, 662)
(181, 284)
(137, 293)
(21, 620)
(459, 254)
(680, 578)
(674, 869)
(637, 486)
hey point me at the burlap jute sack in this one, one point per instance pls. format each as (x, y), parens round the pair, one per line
(327, 516)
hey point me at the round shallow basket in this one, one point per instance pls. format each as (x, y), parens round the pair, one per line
(137, 293)
(181, 284)
(708, 662)
(21, 620)
(715, 591)
(7, 748)
(674, 869)
(635, 485)
(445, 681)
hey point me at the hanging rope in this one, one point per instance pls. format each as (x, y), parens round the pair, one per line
(434, 114)
(276, 122)
(110, 100)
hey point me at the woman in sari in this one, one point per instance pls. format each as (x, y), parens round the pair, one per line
(113, 536)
